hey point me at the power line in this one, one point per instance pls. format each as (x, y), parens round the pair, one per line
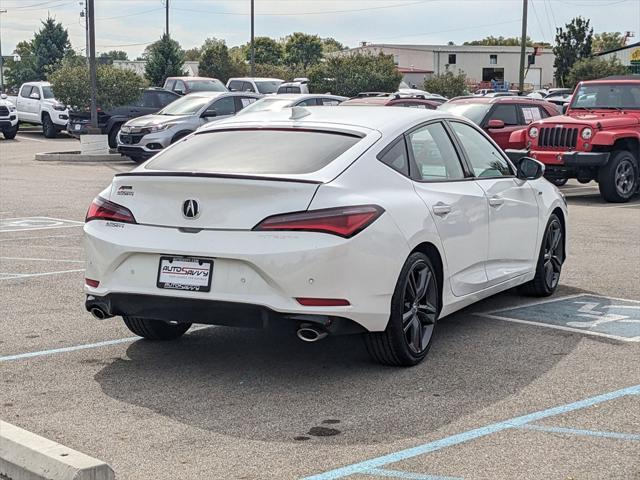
(450, 30)
(131, 14)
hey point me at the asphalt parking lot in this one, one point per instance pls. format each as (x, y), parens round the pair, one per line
(512, 388)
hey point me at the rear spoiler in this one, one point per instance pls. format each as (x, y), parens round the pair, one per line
(216, 175)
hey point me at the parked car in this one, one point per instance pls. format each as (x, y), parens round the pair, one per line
(143, 137)
(483, 91)
(415, 93)
(265, 86)
(151, 100)
(366, 220)
(500, 116)
(300, 86)
(597, 138)
(35, 104)
(185, 85)
(393, 101)
(8, 118)
(286, 100)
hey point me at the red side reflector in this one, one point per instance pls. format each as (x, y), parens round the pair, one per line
(101, 209)
(323, 302)
(91, 283)
(342, 221)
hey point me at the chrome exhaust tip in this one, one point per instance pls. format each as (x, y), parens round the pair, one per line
(99, 313)
(310, 334)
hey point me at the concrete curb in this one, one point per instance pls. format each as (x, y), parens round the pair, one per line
(27, 456)
(73, 157)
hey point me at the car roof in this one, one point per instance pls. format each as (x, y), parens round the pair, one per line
(38, 83)
(210, 94)
(190, 78)
(615, 79)
(492, 100)
(384, 120)
(302, 96)
(256, 79)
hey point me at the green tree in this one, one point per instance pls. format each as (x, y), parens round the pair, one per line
(572, 44)
(50, 45)
(116, 86)
(24, 69)
(165, 59)
(302, 49)
(267, 50)
(605, 41)
(215, 60)
(331, 45)
(594, 68)
(192, 54)
(355, 72)
(110, 56)
(503, 41)
(448, 84)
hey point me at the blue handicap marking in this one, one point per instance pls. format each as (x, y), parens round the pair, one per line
(589, 314)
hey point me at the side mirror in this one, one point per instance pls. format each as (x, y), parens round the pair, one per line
(529, 169)
(179, 91)
(565, 107)
(495, 123)
(35, 96)
(209, 114)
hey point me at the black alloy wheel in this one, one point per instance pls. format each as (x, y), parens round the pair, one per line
(419, 307)
(550, 260)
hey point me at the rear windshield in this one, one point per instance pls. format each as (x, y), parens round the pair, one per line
(255, 152)
(268, 86)
(206, 86)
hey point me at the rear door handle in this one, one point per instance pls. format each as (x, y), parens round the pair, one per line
(496, 201)
(441, 209)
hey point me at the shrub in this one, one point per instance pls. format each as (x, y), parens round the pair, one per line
(448, 84)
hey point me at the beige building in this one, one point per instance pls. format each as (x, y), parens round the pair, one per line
(628, 55)
(480, 63)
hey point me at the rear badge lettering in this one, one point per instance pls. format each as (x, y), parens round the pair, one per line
(125, 190)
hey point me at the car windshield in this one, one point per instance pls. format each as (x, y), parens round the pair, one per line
(281, 152)
(607, 96)
(270, 86)
(268, 104)
(473, 111)
(47, 92)
(206, 86)
(189, 105)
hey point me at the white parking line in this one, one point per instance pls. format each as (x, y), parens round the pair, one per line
(13, 276)
(20, 137)
(36, 237)
(42, 259)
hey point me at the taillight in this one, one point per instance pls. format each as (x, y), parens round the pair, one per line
(92, 283)
(323, 302)
(342, 221)
(102, 209)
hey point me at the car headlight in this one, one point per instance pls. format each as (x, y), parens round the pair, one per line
(160, 127)
(59, 107)
(533, 132)
(586, 134)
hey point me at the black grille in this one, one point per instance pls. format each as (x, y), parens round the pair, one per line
(558, 137)
(4, 111)
(130, 139)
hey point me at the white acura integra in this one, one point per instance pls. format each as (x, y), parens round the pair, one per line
(328, 220)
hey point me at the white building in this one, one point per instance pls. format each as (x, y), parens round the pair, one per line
(191, 68)
(479, 63)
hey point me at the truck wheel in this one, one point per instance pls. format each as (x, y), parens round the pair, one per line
(48, 128)
(155, 329)
(559, 182)
(10, 134)
(113, 135)
(618, 179)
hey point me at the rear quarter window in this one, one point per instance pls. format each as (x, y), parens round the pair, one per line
(255, 152)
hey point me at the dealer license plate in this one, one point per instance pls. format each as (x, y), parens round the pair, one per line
(182, 273)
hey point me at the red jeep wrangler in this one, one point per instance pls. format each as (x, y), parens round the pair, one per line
(598, 138)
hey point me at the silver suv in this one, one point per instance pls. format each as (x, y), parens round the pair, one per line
(143, 137)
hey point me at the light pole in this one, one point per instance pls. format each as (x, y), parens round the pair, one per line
(523, 46)
(166, 17)
(4, 10)
(253, 48)
(92, 65)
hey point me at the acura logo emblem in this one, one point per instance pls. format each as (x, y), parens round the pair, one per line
(190, 209)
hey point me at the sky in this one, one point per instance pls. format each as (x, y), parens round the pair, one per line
(132, 24)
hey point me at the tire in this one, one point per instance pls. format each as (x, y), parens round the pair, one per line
(179, 136)
(409, 333)
(618, 179)
(48, 128)
(113, 135)
(155, 329)
(559, 182)
(550, 260)
(11, 133)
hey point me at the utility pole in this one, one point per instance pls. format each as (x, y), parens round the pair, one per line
(86, 29)
(92, 65)
(253, 47)
(4, 10)
(166, 17)
(523, 45)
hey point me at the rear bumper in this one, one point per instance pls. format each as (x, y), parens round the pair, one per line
(211, 312)
(562, 159)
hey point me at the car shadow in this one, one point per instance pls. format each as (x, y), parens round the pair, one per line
(269, 386)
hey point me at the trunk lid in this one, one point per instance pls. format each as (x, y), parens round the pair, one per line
(232, 202)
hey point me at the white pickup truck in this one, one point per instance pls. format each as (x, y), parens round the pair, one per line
(8, 118)
(35, 104)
